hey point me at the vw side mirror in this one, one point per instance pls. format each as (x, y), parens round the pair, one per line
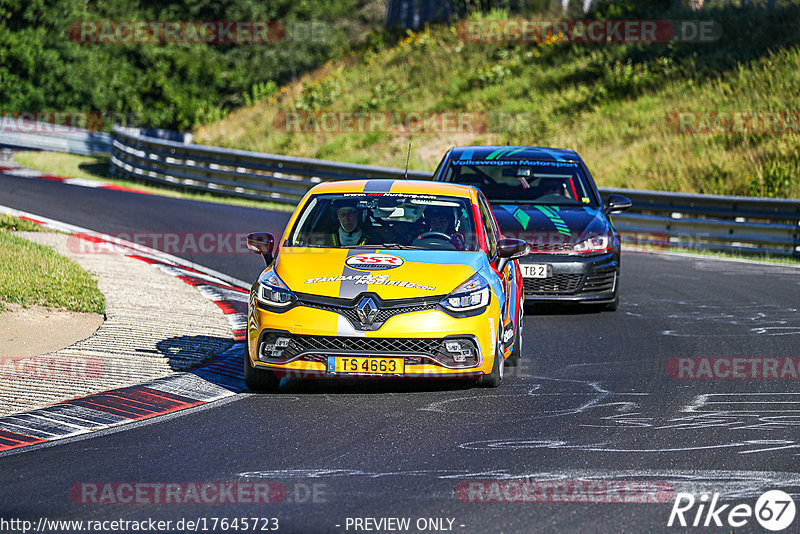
(617, 203)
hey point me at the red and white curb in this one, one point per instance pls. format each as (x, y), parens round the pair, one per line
(24, 172)
(218, 377)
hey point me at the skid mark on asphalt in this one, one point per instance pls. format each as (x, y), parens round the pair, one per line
(740, 411)
(731, 483)
(749, 446)
(586, 393)
(736, 411)
(748, 319)
(746, 403)
(574, 398)
(594, 406)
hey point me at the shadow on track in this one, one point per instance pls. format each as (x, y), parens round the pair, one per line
(559, 309)
(344, 386)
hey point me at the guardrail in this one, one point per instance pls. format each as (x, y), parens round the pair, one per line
(19, 133)
(742, 224)
(240, 173)
(745, 225)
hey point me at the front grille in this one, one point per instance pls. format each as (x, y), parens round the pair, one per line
(387, 309)
(559, 284)
(328, 344)
(551, 247)
(317, 348)
(383, 314)
(599, 282)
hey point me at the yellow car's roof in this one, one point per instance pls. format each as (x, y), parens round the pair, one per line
(419, 187)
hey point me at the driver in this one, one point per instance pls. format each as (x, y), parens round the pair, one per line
(442, 220)
(552, 187)
(349, 231)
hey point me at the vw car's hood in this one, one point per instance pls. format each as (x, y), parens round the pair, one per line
(390, 273)
(538, 223)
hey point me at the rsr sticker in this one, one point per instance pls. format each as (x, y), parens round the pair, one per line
(373, 262)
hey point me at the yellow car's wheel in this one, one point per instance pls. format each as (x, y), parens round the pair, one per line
(516, 354)
(493, 379)
(259, 379)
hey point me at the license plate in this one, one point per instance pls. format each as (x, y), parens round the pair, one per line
(365, 366)
(536, 270)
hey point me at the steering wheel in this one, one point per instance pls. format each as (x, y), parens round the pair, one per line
(553, 197)
(434, 235)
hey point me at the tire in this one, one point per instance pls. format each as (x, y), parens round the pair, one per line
(516, 354)
(259, 379)
(493, 379)
(612, 306)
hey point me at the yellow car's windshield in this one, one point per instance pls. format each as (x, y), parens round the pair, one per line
(386, 220)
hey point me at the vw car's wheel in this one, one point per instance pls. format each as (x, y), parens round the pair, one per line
(612, 306)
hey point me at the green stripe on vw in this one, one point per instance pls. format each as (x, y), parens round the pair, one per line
(551, 212)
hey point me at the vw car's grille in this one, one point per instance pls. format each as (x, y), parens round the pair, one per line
(559, 284)
(551, 247)
(599, 282)
(317, 348)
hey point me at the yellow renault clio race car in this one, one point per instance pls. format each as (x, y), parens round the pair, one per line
(386, 278)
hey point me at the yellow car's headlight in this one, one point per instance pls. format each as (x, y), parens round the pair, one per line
(471, 295)
(272, 291)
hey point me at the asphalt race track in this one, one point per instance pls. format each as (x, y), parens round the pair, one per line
(595, 399)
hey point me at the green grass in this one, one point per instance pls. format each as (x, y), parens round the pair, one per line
(9, 222)
(97, 168)
(33, 274)
(608, 101)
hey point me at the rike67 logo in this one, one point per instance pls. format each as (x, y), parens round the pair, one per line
(774, 510)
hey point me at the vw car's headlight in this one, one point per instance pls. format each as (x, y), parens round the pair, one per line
(471, 295)
(594, 245)
(272, 291)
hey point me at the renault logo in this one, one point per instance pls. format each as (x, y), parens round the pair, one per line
(367, 310)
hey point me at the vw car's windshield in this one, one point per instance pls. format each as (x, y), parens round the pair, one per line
(539, 182)
(385, 220)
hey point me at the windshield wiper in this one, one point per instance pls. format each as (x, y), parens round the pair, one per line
(402, 247)
(386, 245)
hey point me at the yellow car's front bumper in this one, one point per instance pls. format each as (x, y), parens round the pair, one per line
(418, 337)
